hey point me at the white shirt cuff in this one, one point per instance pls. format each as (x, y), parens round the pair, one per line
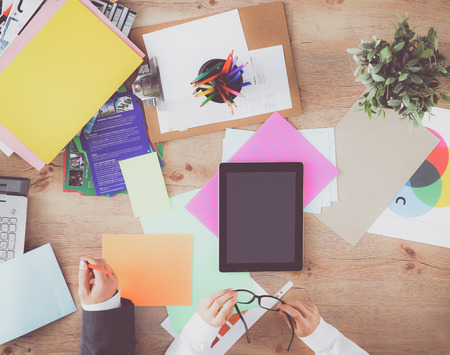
(322, 338)
(112, 303)
(199, 334)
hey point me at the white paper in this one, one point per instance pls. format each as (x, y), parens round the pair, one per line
(269, 92)
(237, 330)
(5, 149)
(6, 4)
(408, 216)
(181, 50)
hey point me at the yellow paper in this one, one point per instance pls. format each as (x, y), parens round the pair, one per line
(61, 78)
(153, 270)
(145, 184)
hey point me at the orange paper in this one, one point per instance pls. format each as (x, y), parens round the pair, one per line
(153, 269)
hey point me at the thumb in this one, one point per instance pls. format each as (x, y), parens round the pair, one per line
(84, 280)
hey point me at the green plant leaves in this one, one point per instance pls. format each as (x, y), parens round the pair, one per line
(399, 47)
(377, 77)
(415, 78)
(403, 75)
(355, 51)
(412, 62)
(427, 52)
(394, 102)
(389, 80)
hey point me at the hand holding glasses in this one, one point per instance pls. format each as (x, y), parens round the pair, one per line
(265, 301)
(217, 308)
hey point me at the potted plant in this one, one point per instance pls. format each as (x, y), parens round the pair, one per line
(404, 75)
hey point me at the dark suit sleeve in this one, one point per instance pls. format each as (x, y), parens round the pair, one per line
(108, 332)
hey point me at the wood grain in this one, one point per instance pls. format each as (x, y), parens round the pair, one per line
(389, 296)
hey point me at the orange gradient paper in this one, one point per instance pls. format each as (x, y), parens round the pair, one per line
(153, 269)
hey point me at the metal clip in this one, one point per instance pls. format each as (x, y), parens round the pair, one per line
(148, 86)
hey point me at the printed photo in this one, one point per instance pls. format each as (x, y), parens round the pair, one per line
(76, 178)
(76, 161)
(124, 103)
(107, 108)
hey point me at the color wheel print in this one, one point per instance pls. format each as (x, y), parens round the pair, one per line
(429, 187)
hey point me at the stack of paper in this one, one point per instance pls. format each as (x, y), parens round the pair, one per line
(321, 138)
(266, 70)
(64, 72)
(276, 140)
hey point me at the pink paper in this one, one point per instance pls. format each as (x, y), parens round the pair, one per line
(275, 140)
(20, 149)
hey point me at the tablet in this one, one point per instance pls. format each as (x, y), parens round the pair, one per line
(261, 216)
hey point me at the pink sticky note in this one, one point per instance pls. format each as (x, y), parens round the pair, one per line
(275, 140)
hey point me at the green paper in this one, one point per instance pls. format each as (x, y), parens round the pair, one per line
(145, 184)
(206, 277)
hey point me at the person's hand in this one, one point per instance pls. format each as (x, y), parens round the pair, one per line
(95, 286)
(217, 308)
(305, 317)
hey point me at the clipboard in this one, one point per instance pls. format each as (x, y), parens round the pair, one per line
(264, 26)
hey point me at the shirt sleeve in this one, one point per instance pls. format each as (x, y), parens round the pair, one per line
(195, 338)
(108, 332)
(112, 303)
(327, 340)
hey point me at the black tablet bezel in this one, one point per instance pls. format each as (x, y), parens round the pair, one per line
(224, 169)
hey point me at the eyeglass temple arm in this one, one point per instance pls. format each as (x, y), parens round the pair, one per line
(292, 328)
(244, 322)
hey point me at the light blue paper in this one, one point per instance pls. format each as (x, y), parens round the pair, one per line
(34, 293)
(205, 257)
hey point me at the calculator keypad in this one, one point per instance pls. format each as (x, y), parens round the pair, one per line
(8, 227)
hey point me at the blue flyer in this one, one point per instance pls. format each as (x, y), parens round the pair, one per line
(118, 133)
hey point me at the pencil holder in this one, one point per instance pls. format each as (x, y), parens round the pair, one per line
(236, 85)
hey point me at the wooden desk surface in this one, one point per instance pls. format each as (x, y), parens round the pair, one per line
(389, 296)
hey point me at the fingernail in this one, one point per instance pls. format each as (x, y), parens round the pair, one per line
(82, 265)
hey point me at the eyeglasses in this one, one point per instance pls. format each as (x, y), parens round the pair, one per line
(264, 301)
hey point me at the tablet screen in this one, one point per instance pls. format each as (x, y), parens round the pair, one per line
(261, 214)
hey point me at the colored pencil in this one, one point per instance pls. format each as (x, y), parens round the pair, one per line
(227, 64)
(204, 81)
(244, 84)
(98, 268)
(232, 91)
(206, 92)
(221, 79)
(207, 72)
(236, 70)
(212, 96)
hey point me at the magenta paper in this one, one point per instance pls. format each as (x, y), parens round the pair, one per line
(276, 140)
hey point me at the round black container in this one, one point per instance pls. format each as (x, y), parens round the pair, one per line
(236, 86)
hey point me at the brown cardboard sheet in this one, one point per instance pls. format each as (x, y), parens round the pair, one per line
(264, 26)
(375, 159)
